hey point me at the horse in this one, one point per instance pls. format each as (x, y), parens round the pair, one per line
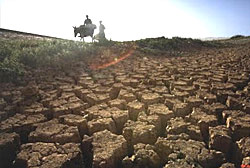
(85, 31)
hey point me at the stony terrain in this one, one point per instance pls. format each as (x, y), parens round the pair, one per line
(145, 111)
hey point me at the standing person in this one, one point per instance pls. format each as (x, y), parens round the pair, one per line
(101, 31)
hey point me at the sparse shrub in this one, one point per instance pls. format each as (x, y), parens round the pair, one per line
(17, 54)
(161, 44)
(237, 36)
(10, 69)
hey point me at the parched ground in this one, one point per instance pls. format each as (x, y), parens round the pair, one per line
(144, 111)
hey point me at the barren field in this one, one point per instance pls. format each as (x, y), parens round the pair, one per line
(131, 108)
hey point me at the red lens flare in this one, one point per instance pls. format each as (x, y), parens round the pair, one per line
(115, 61)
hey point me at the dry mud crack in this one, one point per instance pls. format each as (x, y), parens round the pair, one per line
(145, 111)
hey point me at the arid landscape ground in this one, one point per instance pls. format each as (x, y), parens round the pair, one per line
(153, 103)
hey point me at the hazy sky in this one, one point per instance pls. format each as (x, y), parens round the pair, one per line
(129, 19)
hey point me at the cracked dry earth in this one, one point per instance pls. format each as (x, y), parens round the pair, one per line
(189, 111)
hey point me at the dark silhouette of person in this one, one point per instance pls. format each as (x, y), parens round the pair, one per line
(87, 21)
(87, 24)
(101, 30)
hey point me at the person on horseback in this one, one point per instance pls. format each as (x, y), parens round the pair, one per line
(87, 24)
(87, 21)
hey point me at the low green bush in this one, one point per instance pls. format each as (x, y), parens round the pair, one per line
(161, 44)
(17, 54)
(237, 37)
(10, 69)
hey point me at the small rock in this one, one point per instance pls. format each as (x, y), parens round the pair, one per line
(75, 120)
(163, 148)
(109, 149)
(181, 109)
(181, 136)
(119, 103)
(239, 123)
(162, 111)
(101, 124)
(190, 150)
(199, 115)
(52, 131)
(170, 102)
(194, 132)
(36, 108)
(134, 108)
(193, 101)
(120, 117)
(220, 139)
(97, 111)
(125, 95)
(151, 98)
(139, 132)
(145, 156)
(176, 126)
(180, 95)
(93, 99)
(114, 92)
(50, 155)
(22, 124)
(151, 120)
(82, 93)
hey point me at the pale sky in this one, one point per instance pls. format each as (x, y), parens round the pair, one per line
(129, 19)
